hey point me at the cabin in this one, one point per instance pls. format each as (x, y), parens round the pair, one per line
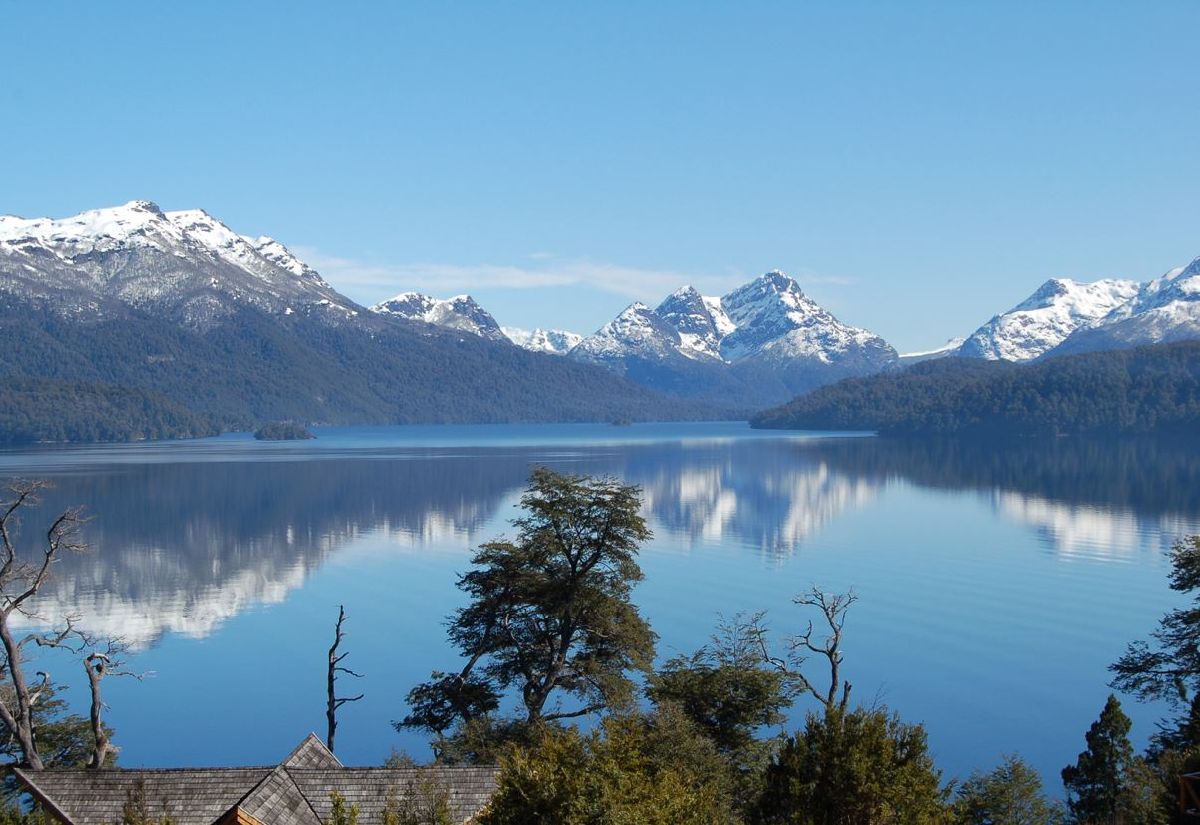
(298, 791)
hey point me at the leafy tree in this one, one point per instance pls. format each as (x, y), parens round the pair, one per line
(64, 739)
(727, 687)
(633, 769)
(425, 802)
(341, 813)
(1169, 668)
(483, 740)
(1109, 784)
(549, 613)
(1011, 794)
(857, 767)
(730, 692)
(136, 810)
(1169, 767)
(16, 815)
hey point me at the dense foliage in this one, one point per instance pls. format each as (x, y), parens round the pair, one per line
(1147, 390)
(1169, 669)
(730, 693)
(1109, 783)
(254, 368)
(550, 614)
(283, 431)
(34, 410)
(633, 769)
(861, 766)
(64, 738)
(1011, 794)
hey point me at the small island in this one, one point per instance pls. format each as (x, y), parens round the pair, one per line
(283, 431)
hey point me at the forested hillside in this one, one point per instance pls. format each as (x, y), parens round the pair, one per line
(253, 368)
(38, 409)
(1152, 389)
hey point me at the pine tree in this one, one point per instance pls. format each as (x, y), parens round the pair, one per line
(1011, 794)
(1107, 785)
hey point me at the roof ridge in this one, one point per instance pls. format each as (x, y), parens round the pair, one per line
(118, 769)
(311, 741)
(279, 770)
(384, 768)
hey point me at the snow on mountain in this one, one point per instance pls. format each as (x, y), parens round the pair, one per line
(947, 349)
(1164, 310)
(186, 265)
(636, 333)
(550, 341)
(461, 313)
(768, 324)
(774, 319)
(1046, 318)
(700, 321)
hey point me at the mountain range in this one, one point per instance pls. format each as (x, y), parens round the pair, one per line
(154, 314)
(760, 344)
(188, 318)
(771, 320)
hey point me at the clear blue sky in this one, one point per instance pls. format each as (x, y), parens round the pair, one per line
(918, 166)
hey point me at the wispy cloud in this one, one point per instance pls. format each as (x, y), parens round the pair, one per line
(372, 282)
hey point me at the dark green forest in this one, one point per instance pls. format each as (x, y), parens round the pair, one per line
(162, 380)
(1138, 391)
(39, 409)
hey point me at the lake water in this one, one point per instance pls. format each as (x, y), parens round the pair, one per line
(996, 583)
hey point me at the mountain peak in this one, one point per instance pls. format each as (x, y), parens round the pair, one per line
(685, 292)
(144, 206)
(1045, 319)
(768, 319)
(461, 313)
(186, 265)
(550, 341)
(779, 281)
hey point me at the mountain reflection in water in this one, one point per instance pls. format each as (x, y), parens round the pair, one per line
(181, 547)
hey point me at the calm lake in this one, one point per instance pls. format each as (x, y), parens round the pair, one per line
(996, 583)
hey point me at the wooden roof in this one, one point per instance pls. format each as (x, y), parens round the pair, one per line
(296, 792)
(470, 788)
(95, 797)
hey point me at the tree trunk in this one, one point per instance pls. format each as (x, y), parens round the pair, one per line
(333, 702)
(19, 722)
(96, 666)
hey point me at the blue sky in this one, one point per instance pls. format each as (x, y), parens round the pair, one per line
(917, 166)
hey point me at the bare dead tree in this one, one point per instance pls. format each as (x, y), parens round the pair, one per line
(100, 664)
(335, 667)
(833, 608)
(20, 581)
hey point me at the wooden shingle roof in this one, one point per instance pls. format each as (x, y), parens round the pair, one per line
(296, 792)
(198, 796)
(469, 787)
(311, 753)
(278, 801)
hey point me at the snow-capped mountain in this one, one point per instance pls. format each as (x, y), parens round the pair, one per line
(700, 321)
(549, 341)
(769, 319)
(1046, 318)
(774, 319)
(946, 350)
(186, 265)
(461, 313)
(636, 333)
(1164, 310)
(179, 312)
(763, 341)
